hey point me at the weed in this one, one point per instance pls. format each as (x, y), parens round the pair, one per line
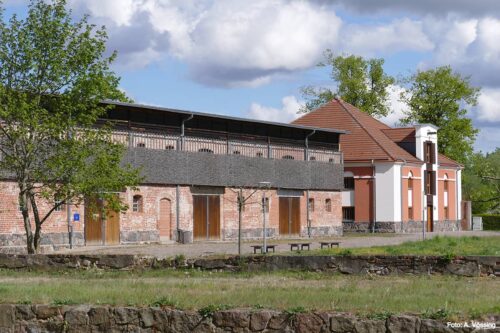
(165, 302)
(345, 252)
(437, 314)
(295, 310)
(60, 302)
(209, 310)
(379, 315)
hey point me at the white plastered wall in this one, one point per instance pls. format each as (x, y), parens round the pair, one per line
(388, 192)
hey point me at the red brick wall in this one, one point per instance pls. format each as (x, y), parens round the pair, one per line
(363, 193)
(417, 193)
(452, 185)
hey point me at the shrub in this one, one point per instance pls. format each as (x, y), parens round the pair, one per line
(490, 221)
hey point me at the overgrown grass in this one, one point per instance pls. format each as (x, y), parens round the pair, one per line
(290, 291)
(439, 245)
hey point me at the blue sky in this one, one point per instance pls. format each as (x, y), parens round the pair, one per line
(250, 58)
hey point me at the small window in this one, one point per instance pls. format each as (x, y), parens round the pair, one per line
(328, 205)
(141, 145)
(60, 206)
(137, 204)
(331, 160)
(205, 150)
(311, 205)
(259, 154)
(312, 158)
(348, 214)
(236, 152)
(288, 157)
(265, 204)
(170, 147)
(446, 182)
(349, 183)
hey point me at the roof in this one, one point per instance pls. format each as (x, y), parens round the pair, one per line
(402, 134)
(369, 139)
(446, 161)
(173, 117)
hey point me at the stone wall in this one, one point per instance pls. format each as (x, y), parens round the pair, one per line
(398, 227)
(85, 318)
(380, 265)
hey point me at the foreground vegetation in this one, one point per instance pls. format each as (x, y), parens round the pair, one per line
(293, 291)
(439, 245)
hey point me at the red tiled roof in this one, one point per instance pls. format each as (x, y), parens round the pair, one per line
(406, 134)
(367, 139)
(446, 161)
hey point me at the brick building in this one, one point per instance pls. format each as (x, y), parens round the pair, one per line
(192, 164)
(395, 180)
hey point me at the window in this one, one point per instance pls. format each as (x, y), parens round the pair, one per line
(446, 210)
(328, 205)
(430, 187)
(137, 204)
(265, 204)
(311, 204)
(170, 147)
(205, 150)
(348, 214)
(259, 154)
(349, 183)
(429, 152)
(288, 157)
(236, 152)
(141, 145)
(312, 158)
(61, 206)
(410, 196)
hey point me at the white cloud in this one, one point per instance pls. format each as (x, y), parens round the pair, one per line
(488, 108)
(397, 107)
(399, 35)
(287, 113)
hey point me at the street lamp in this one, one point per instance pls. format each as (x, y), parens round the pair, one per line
(265, 186)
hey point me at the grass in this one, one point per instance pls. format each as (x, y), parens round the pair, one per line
(286, 290)
(439, 245)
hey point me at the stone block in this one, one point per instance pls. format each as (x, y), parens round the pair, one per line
(259, 320)
(232, 318)
(7, 315)
(403, 324)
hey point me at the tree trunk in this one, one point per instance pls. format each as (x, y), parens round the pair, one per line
(38, 224)
(23, 205)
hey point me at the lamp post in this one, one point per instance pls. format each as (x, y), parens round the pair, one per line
(265, 186)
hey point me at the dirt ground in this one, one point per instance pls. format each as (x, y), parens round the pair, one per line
(198, 249)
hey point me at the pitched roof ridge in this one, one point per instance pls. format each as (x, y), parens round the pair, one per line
(365, 129)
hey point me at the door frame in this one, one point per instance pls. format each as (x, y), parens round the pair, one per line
(290, 214)
(101, 213)
(207, 198)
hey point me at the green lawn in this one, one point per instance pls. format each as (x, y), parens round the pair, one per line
(439, 245)
(372, 296)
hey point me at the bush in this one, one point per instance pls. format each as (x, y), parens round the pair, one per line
(490, 221)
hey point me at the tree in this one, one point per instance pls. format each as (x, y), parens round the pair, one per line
(360, 82)
(53, 76)
(481, 182)
(441, 97)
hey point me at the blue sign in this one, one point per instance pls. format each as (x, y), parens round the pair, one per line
(76, 217)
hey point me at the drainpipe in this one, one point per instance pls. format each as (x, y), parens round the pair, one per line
(401, 186)
(178, 188)
(374, 197)
(306, 158)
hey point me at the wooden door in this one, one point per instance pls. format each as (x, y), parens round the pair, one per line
(99, 230)
(206, 217)
(213, 217)
(93, 223)
(112, 228)
(289, 216)
(430, 224)
(165, 220)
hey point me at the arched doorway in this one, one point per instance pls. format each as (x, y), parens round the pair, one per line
(165, 220)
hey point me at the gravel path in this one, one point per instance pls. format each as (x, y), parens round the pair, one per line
(210, 248)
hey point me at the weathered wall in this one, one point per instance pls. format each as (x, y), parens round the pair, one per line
(381, 265)
(85, 318)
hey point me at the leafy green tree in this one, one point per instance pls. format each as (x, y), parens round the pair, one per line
(53, 76)
(481, 182)
(441, 97)
(360, 82)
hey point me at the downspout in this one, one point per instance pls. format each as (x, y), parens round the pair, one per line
(178, 188)
(306, 158)
(374, 197)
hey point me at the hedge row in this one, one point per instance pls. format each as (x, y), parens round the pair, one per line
(490, 221)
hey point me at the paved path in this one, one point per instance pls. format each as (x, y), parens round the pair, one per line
(210, 248)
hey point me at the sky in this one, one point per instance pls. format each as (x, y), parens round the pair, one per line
(251, 58)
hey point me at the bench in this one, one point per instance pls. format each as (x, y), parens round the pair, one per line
(259, 247)
(300, 246)
(329, 244)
